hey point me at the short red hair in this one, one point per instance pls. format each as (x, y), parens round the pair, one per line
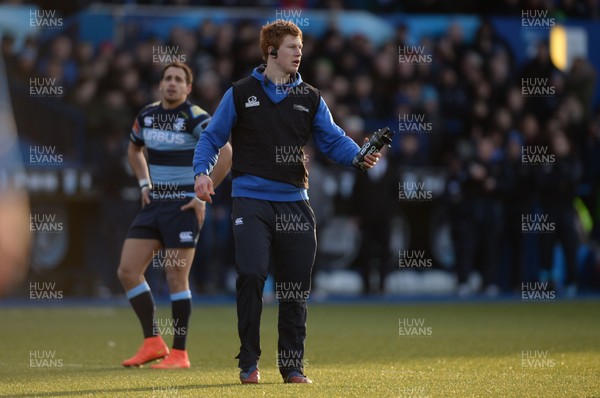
(272, 34)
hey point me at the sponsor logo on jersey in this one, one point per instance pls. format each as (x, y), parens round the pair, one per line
(252, 101)
(136, 127)
(197, 111)
(239, 221)
(179, 124)
(163, 136)
(301, 108)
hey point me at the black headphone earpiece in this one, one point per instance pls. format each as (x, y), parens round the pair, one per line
(273, 52)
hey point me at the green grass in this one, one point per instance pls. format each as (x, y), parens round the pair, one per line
(474, 350)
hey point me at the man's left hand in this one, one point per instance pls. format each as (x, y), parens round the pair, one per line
(371, 159)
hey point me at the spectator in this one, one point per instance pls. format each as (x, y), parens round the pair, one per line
(372, 192)
(485, 181)
(557, 186)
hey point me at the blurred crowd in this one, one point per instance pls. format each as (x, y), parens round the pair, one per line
(470, 92)
(571, 8)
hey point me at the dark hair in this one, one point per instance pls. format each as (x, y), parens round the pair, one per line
(186, 69)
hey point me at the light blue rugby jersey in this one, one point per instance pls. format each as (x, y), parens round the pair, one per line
(170, 136)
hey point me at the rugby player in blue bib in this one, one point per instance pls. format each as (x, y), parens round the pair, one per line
(166, 228)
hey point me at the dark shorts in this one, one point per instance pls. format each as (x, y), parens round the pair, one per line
(166, 222)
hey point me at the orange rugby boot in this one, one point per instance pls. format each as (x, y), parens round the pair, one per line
(153, 348)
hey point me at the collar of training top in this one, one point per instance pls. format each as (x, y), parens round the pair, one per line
(259, 74)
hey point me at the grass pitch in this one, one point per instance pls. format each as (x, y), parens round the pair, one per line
(500, 349)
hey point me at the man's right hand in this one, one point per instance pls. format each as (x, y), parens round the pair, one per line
(204, 188)
(146, 196)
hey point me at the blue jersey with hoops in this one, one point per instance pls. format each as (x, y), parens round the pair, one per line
(170, 136)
